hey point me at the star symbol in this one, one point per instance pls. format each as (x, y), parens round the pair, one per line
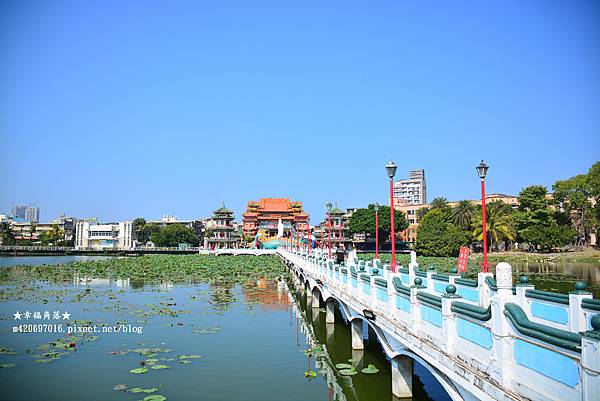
(17, 316)
(66, 315)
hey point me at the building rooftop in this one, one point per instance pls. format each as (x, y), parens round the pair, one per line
(223, 210)
(275, 204)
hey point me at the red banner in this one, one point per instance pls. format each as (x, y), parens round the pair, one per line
(463, 258)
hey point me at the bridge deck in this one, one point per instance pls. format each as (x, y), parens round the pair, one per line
(482, 339)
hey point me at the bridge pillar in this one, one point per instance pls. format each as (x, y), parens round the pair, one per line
(402, 373)
(590, 360)
(329, 311)
(308, 294)
(356, 327)
(329, 331)
(316, 302)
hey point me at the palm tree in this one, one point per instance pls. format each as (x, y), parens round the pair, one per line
(498, 225)
(462, 214)
(439, 203)
(32, 229)
(6, 235)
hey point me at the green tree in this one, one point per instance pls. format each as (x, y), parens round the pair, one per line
(6, 235)
(438, 237)
(32, 229)
(594, 185)
(142, 230)
(462, 214)
(533, 211)
(174, 234)
(55, 236)
(573, 196)
(422, 212)
(498, 224)
(363, 221)
(548, 237)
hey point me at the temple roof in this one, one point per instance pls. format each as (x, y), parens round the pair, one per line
(275, 204)
(337, 210)
(223, 210)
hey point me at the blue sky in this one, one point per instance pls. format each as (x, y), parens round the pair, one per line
(123, 109)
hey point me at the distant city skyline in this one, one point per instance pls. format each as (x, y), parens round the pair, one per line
(238, 213)
(127, 109)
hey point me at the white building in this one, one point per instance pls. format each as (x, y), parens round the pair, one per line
(412, 190)
(92, 235)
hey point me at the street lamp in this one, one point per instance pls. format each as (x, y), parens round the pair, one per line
(309, 242)
(391, 172)
(376, 230)
(329, 206)
(340, 231)
(482, 169)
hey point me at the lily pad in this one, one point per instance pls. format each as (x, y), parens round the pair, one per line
(348, 372)
(158, 367)
(343, 366)
(138, 371)
(155, 397)
(371, 369)
(7, 365)
(120, 387)
(189, 356)
(310, 373)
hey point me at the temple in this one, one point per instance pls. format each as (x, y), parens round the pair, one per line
(266, 214)
(221, 232)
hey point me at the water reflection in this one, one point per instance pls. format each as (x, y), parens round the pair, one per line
(258, 292)
(560, 277)
(79, 280)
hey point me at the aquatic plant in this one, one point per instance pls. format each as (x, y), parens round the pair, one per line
(156, 268)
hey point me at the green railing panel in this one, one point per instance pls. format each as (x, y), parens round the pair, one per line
(548, 296)
(400, 288)
(465, 281)
(473, 311)
(560, 338)
(591, 304)
(429, 299)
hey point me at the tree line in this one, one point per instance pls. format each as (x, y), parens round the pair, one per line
(541, 222)
(170, 235)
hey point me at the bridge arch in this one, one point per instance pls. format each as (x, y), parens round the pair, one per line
(393, 348)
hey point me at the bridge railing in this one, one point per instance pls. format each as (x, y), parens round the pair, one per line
(541, 344)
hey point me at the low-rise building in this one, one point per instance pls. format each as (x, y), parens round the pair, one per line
(25, 230)
(91, 235)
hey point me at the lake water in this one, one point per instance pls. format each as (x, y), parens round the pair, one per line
(6, 261)
(560, 277)
(217, 341)
(548, 276)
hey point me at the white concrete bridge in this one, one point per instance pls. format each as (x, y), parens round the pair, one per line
(482, 339)
(238, 251)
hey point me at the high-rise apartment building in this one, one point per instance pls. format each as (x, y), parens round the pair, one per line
(413, 190)
(32, 214)
(26, 213)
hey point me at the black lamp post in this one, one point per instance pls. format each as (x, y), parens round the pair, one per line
(482, 169)
(329, 206)
(391, 172)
